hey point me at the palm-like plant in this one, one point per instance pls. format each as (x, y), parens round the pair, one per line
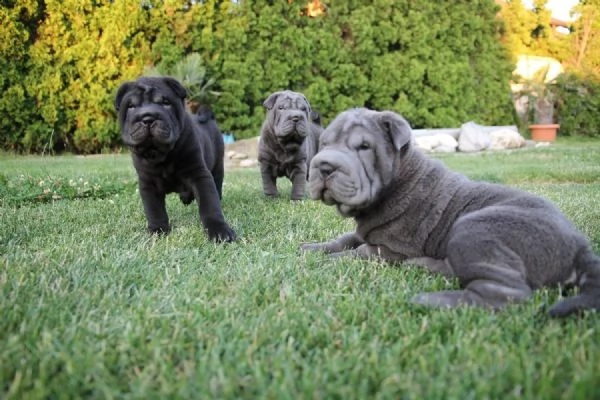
(191, 72)
(540, 96)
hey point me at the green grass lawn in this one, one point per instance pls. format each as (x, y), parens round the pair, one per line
(93, 307)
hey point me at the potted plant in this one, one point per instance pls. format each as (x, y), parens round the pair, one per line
(540, 105)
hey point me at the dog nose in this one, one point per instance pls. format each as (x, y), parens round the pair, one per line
(325, 169)
(148, 119)
(295, 118)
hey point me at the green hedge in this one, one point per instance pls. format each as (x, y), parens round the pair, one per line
(578, 105)
(438, 63)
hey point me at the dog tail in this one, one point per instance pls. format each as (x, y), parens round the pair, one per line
(587, 266)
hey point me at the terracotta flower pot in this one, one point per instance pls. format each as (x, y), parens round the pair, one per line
(543, 132)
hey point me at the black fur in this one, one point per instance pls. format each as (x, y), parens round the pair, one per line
(172, 152)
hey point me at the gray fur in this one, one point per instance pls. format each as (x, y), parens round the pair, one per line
(411, 208)
(288, 140)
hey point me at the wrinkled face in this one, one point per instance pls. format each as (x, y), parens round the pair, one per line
(356, 160)
(150, 115)
(289, 116)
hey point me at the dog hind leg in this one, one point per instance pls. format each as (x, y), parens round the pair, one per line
(491, 273)
(587, 265)
(478, 293)
(218, 174)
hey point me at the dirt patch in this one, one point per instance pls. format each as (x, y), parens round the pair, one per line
(241, 153)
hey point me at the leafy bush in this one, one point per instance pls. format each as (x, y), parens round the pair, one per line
(69, 57)
(578, 105)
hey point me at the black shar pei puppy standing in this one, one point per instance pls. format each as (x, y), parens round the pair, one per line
(409, 207)
(172, 153)
(289, 138)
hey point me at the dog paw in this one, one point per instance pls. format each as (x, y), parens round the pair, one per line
(221, 234)
(437, 300)
(159, 230)
(345, 253)
(311, 247)
(457, 298)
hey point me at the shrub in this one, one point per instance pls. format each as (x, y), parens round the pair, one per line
(382, 54)
(578, 105)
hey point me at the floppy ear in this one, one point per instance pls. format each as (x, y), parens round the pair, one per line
(315, 117)
(177, 87)
(124, 88)
(270, 101)
(396, 127)
(306, 103)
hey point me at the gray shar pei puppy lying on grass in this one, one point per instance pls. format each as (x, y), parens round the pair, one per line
(288, 140)
(172, 152)
(408, 207)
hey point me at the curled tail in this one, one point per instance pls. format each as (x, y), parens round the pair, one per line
(587, 266)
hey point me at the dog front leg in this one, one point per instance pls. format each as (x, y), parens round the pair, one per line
(154, 208)
(433, 264)
(269, 181)
(345, 243)
(368, 251)
(209, 208)
(298, 178)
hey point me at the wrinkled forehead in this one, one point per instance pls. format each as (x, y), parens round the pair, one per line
(291, 100)
(354, 121)
(151, 89)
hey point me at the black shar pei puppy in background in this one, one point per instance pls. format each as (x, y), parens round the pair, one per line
(289, 139)
(409, 207)
(172, 152)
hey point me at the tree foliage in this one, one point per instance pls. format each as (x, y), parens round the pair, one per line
(575, 93)
(529, 31)
(585, 39)
(18, 23)
(438, 63)
(577, 105)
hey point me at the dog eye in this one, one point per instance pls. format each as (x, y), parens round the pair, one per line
(281, 107)
(363, 146)
(130, 106)
(165, 102)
